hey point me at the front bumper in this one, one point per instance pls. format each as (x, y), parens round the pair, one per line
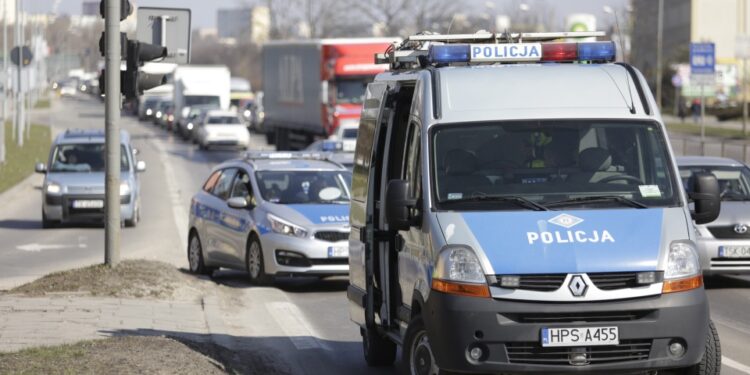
(509, 333)
(316, 252)
(60, 208)
(708, 249)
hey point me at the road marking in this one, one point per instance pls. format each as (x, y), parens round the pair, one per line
(291, 320)
(35, 247)
(735, 365)
(179, 212)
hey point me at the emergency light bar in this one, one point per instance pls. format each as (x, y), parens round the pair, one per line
(522, 52)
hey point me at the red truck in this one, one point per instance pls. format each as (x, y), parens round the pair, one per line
(312, 87)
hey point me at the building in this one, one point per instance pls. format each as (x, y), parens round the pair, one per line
(90, 8)
(9, 6)
(244, 24)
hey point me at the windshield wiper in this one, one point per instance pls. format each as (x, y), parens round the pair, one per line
(517, 200)
(597, 199)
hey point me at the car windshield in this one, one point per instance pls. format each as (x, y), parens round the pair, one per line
(86, 157)
(350, 133)
(350, 91)
(296, 187)
(734, 182)
(226, 120)
(553, 163)
(202, 100)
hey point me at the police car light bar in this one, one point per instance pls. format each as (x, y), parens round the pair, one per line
(503, 37)
(522, 52)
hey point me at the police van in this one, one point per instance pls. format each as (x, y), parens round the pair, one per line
(516, 208)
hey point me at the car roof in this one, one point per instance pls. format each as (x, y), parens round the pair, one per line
(221, 112)
(77, 136)
(713, 161)
(293, 164)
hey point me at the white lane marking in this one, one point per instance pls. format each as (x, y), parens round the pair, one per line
(735, 365)
(291, 320)
(730, 325)
(179, 211)
(35, 247)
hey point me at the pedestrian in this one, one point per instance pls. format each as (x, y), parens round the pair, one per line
(696, 110)
(681, 110)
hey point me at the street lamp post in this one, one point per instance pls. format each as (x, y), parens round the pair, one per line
(659, 45)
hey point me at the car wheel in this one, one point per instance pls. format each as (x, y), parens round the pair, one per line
(132, 223)
(254, 262)
(195, 257)
(378, 350)
(418, 358)
(46, 223)
(710, 364)
(270, 138)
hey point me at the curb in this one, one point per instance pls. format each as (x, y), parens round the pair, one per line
(217, 329)
(17, 188)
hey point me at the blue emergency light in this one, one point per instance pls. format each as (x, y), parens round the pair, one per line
(332, 146)
(596, 51)
(449, 53)
(551, 52)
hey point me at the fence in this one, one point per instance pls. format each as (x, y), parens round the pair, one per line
(728, 148)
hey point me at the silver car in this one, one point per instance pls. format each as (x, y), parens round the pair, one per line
(724, 245)
(272, 214)
(73, 189)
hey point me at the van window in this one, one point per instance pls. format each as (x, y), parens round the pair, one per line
(84, 157)
(412, 166)
(549, 162)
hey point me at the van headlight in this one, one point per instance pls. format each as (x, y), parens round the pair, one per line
(683, 270)
(124, 188)
(458, 271)
(284, 227)
(53, 188)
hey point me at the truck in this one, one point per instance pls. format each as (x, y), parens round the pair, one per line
(312, 87)
(205, 85)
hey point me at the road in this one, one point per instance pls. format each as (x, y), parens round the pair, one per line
(306, 320)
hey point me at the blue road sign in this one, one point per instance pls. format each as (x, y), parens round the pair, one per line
(702, 58)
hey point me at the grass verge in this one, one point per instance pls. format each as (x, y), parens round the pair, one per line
(130, 279)
(695, 129)
(42, 103)
(19, 161)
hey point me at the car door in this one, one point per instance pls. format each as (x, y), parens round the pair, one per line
(238, 222)
(216, 246)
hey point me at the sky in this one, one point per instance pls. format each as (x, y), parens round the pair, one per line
(204, 11)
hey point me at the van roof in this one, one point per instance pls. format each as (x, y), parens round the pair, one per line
(76, 136)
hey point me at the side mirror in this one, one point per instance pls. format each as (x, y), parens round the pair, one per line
(40, 168)
(398, 205)
(238, 203)
(706, 197)
(140, 166)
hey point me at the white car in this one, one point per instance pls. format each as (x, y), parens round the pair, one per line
(222, 128)
(347, 134)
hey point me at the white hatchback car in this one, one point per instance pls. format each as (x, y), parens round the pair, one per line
(222, 128)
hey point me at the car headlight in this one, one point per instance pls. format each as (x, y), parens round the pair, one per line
(459, 264)
(682, 261)
(284, 227)
(190, 126)
(149, 112)
(53, 188)
(247, 113)
(124, 188)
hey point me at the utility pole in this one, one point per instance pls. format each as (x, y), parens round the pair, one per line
(659, 46)
(5, 81)
(112, 132)
(19, 69)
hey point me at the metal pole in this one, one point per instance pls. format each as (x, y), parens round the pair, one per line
(703, 121)
(112, 134)
(659, 44)
(743, 82)
(27, 95)
(19, 86)
(5, 86)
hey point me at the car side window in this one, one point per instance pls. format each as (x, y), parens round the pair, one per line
(412, 171)
(208, 187)
(242, 188)
(224, 185)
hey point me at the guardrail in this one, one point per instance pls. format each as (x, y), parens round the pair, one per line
(736, 149)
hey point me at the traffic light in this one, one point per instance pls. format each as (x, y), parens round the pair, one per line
(135, 53)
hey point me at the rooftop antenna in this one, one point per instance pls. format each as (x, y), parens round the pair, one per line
(622, 49)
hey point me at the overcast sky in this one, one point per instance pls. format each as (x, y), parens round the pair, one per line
(204, 11)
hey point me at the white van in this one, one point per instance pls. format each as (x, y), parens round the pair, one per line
(516, 208)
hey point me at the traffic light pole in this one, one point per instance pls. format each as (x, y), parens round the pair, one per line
(19, 86)
(112, 133)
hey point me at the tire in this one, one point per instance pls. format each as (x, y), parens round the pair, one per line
(417, 342)
(378, 350)
(132, 223)
(270, 138)
(46, 223)
(710, 364)
(195, 257)
(254, 263)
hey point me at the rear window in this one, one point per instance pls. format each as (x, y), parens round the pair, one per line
(229, 120)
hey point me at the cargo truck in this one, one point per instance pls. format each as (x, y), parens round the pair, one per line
(312, 87)
(200, 85)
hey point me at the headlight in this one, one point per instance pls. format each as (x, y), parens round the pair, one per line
(459, 264)
(284, 227)
(682, 261)
(190, 126)
(170, 118)
(124, 188)
(261, 115)
(53, 188)
(247, 113)
(149, 112)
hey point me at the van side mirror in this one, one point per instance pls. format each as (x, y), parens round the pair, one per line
(398, 205)
(238, 203)
(40, 168)
(706, 197)
(140, 166)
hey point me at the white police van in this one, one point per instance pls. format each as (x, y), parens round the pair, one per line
(516, 208)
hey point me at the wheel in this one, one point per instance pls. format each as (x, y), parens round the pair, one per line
(270, 138)
(254, 263)
(132, 223)
(195, 257)
(417, 357)
(46, 223)
(379, 351)
(710, 364)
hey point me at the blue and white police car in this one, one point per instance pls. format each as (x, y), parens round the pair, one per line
(272, 214)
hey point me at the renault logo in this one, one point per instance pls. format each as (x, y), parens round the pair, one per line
(740, 229)
(577, 286)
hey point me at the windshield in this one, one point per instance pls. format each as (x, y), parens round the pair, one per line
(202, 100)
(295, 187)
(734, 182)
(85, 157)
(225, 120)
(350, 133)
(553, 163)
(351, 91)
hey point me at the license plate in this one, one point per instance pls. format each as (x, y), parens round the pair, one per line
(583, 336)
(734, 251)
(88, 204)
(338, 251)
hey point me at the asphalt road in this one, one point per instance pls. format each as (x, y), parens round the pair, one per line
(176, 170)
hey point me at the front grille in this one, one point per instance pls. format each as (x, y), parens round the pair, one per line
(540, 282)
(614, 281)
(329, 261)
(331, 236)
(730, 262)
(292, 259)
(727, 232)
(534, 353)
(578, 317)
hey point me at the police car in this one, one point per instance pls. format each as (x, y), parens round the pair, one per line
(516, 208)
(272, 214)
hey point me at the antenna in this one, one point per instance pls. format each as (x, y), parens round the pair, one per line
(619, 36)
